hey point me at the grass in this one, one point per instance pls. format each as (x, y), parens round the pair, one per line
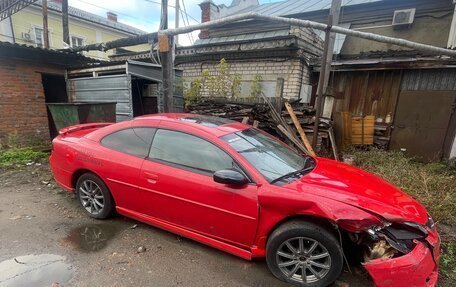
(432, 184)
(14, 156)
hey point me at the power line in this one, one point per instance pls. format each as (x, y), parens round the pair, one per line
(189, 35)
(172, 6)
(119, 13)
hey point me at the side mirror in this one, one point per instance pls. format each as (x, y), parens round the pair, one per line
(230, 176)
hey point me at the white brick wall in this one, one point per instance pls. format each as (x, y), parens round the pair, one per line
(293, 71)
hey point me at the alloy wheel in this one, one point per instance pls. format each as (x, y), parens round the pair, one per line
(91, 197)
(303, 259)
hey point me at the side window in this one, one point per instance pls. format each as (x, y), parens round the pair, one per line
(189, 152)
(134, 141)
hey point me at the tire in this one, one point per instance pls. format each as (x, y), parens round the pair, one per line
(287, 264)
(94, 196)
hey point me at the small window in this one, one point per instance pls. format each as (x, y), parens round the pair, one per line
(134, 141)
(39, 37)
(76, 41)
(190, 152)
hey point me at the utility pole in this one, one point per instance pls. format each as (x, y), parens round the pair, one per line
(330, 38)
(66, 29)
(166, 48)
(176, 38)
(45, 25)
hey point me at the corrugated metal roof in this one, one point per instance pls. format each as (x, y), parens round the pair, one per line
(78, 13)
(291, 7)
(49, 56)
(243, 37)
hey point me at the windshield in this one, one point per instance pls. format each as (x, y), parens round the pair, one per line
(270, 157)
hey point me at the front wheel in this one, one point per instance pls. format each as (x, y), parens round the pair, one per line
(94, 196)
(304, 254)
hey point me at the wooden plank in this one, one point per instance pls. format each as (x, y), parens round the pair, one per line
(298, 126)
(293, 139)
(333, 143)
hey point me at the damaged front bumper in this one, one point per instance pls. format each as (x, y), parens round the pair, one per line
(418, 268)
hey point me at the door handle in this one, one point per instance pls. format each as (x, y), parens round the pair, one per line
(151, 177)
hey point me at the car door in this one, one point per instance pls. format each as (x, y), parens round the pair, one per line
(178, 179)
(123, 153)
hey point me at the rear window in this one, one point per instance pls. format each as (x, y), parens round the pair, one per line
(133, 141)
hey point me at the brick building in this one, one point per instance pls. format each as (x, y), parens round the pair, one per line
(29, 78)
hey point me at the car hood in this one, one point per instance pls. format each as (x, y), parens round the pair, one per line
(353, 186)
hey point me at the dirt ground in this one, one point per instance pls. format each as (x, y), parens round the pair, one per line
(47, 240)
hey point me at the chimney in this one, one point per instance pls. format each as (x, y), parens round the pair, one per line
(111, 16)
(209, 12)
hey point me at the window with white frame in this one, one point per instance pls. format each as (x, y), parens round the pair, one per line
(76, 41)
(39, 37)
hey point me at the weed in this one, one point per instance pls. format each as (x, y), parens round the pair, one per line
(432, 184)
(20, 156)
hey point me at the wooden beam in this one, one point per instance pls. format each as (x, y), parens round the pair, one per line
(301, 132)
(328, 50)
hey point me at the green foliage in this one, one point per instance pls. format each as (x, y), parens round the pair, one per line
(448, 262)
(193, 94)
(220, 83)
(255, 89)
(20, 156)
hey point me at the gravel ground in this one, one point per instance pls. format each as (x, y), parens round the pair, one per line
(47, 240)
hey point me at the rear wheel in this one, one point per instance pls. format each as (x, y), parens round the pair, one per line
(94, 196)
(304, 254)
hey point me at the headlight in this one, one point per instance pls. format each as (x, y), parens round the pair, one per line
(430, 223)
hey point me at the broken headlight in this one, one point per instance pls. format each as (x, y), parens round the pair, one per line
(397, 237)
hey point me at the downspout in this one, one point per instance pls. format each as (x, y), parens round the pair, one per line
(452, 36)
(12, 29)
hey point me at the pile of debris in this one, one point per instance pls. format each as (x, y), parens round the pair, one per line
(292, 125)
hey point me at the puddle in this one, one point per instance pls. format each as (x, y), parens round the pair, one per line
(35, 270)
(92, 237)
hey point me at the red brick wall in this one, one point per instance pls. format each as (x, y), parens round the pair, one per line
(22, 102)
(205, 17)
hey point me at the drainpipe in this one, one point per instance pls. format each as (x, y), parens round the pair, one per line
(452, 37)
(12, 29)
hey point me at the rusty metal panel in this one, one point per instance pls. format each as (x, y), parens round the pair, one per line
(421, 122)
(429, 80)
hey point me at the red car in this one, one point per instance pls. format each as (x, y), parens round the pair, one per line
(238, 189)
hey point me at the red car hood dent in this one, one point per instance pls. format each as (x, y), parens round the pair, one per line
(353, 186)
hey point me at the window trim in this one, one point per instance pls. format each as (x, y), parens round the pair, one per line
(77, 36)
(126, 128)
(193, 169)
(50, 32)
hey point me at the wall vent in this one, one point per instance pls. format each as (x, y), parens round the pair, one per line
(404, 17)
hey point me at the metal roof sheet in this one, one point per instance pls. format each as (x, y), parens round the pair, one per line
(243, 37)
(291, 7)
(48, 56)
(78, 13)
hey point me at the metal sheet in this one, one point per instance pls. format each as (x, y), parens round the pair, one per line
(429, 80)
(103, 90)
(422, 121)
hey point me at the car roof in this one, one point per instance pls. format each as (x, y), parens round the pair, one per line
(210, 124)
